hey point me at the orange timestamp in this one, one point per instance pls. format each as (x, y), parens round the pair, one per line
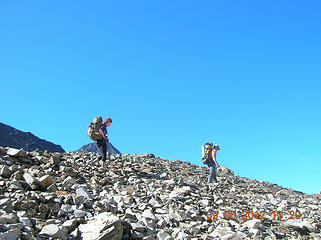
(249, 215)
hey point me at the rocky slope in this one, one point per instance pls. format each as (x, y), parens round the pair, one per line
(92, 147)
(69, 196)
(11, 137)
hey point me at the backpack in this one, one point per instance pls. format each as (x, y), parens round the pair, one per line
(207, 152)
(93, 129)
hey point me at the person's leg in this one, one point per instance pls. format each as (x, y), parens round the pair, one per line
(104, 149)
(100, 147)
(214, 174)
(210, 176)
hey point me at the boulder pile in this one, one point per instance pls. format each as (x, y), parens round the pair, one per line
(70, 196)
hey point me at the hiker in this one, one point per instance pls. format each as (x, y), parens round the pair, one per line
(101, 143)
(210, 160)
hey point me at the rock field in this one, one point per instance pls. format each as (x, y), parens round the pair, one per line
(70, 196)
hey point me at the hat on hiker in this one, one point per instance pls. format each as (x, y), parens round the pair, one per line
(218, 147)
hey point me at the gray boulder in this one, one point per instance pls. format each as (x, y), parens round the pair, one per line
(53, 231)
(101, 227)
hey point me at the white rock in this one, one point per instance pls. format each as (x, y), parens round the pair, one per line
(16, 152)
(253, 224)
(221, 231)
(83, 192)
(176, 195)
(183, 236)
(148, 214)
(162, 235)
(160, 211)
(52, 230)
(103, 226)
(299, 223)
(274, 201)
(70, 224)
(229, 236)
(205, 203)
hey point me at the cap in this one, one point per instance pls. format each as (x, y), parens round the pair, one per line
(217, 146)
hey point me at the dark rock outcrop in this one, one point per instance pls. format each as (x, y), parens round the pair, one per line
(14, 138)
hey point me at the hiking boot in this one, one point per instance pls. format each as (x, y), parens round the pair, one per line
(104, 165)
(212, 186)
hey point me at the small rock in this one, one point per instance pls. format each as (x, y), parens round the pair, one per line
(71, 224)
(130, 190)
(79, 213)
(8, 219)
(69, 182)
(139, 227)
(52, 188)
(31, 181)
(183, 236)
(8, 236)
(54, 160)
(253, 224)
(5, 172)
(45, 181)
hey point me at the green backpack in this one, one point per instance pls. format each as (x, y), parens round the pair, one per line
(93, 129)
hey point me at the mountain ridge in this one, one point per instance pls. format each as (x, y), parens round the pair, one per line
(14, 138)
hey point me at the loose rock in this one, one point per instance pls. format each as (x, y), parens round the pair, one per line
(69, 196)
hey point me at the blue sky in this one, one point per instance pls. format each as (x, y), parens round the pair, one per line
(172, 75)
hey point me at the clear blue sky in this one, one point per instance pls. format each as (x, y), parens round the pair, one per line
(172, 75)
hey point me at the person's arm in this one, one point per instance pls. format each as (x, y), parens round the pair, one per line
(101, 132)
(214, 158)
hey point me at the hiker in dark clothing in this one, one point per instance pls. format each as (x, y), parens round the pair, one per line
(212, 164)
(101, 143)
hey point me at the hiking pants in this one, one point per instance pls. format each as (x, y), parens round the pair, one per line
(101, 144)
(212, 175)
